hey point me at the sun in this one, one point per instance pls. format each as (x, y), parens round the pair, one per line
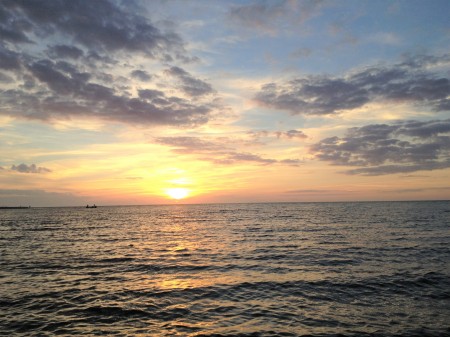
(177, 193)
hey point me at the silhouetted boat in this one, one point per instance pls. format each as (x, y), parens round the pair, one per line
(87, 206)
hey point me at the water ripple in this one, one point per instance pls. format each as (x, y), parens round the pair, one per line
(350, 269)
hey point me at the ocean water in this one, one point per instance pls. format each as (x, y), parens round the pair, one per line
(285, 269)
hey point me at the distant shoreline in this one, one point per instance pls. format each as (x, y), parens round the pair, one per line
(15, 207)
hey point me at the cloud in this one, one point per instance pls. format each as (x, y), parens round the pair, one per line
(61, 90)
(189, 85)
(386, 38)
(266, 16)
(100, 25)
(9, 60)
(247, 157)
(413, 190)
(411, 82)
(318, 192)
(5, 78)
(24, 168)
(13, 28)
(260, 15)
(218, 151)
(185, 145)
(69, 57)
(291, 134)
(64, 51)
(141, 75)
(379, 149)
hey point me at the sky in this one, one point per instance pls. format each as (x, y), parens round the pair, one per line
(159, 102)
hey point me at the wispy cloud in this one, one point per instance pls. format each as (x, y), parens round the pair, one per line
(266, 17)
(219, 151)
(418, 190)
(316, 192)
(385, 38)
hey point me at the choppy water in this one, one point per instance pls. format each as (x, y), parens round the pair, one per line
(315, 269)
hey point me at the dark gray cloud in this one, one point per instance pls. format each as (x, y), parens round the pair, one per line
(79, 76)
(63, 90)
(101, 103)
(410, 82)
(191, 86)
(24, 168)
(379, 149)
(9, 60)
(218, 151)
(13, 28)
(101, 25)
(151, 94)
(141, 75)
(64, 51)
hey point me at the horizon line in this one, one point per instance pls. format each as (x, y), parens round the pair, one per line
(226, 203)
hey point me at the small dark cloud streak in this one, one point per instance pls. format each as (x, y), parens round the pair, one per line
(190, 85)
(24, 168)
(291, 134)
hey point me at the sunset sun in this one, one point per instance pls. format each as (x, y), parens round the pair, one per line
(177, 193)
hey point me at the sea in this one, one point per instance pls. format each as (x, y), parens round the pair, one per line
(268, 269)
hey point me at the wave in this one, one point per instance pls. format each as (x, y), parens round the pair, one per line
(369, 269)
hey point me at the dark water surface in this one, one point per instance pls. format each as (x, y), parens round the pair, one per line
(294, 269)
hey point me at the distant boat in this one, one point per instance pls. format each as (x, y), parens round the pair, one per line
(87, 206)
